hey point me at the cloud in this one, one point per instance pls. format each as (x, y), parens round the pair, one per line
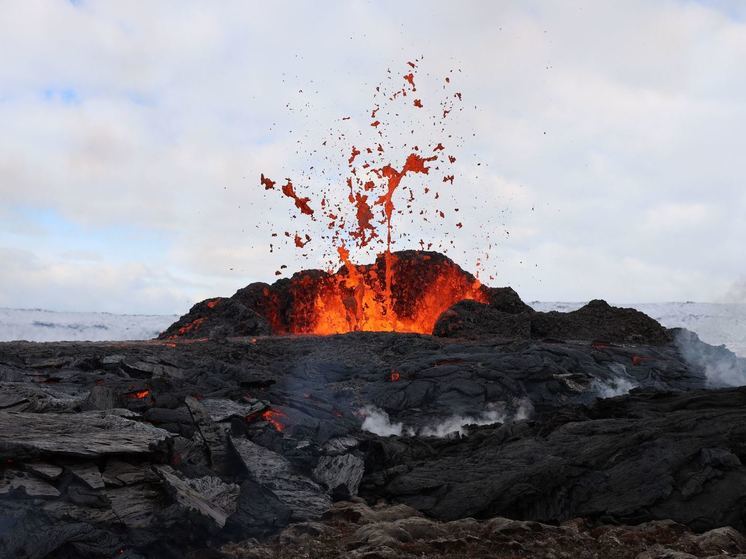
(92, 285)
(602, 155)
(678, 217)
(737, 292)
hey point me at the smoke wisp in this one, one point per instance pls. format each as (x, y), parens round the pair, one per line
(620, 385)
(720, 365)
(377, 421)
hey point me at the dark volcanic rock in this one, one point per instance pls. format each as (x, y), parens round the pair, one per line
(596, 321)
(92, 434)
(600, 321)
(471, 319)
(218, 318)
(352, 529)
(303, 497)
(217, 440)
(505, 299)
(641, 457)
(259, 512)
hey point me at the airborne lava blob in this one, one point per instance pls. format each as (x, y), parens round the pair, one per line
(359, 213)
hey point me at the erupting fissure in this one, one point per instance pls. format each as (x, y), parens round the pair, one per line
(388, 295)
(402, 292)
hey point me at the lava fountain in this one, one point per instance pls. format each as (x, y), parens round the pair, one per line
(403, 292)
(393, 294)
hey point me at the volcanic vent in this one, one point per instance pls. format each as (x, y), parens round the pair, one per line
(372, 177)
(360, 184)
(423, 286)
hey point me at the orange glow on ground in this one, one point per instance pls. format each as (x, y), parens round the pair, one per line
(273, 417)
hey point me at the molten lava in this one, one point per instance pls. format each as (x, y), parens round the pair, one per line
(139, 395)
(273, 417)
(405, 291)
(194, 325)
(400, 303)
(356, 298)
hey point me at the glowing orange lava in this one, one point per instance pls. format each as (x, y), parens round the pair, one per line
(189, 327)
(273, 417)
(395, 293)
(300, 203)
(422, 286)
(139, 395)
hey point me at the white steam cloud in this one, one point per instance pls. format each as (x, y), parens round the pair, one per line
(377, 421)
(720, 365)
(494, 413)
(617, 386)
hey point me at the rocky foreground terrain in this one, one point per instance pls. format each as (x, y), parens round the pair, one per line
(353, 529)
(509, 433)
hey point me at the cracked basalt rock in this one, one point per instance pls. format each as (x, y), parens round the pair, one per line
(304, 498)
(167, 448)
(643, 456)
(87, 434)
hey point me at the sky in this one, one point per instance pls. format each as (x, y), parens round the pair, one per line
(603, 152)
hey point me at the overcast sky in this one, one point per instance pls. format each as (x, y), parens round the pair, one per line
(605, 153)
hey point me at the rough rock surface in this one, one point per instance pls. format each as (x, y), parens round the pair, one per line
(218, 318)
(595, 321)
(352, 529)
(176, 448)
(599, 321)
(472, 319)
(627, 459)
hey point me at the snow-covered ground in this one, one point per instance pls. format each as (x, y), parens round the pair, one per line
(715, 323)
(48, 326)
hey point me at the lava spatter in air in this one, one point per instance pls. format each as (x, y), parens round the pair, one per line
(410, 80)
(358, 212)
(366, 228)
(300, 203)
(414, 164)
(268, 184)
(300, 242)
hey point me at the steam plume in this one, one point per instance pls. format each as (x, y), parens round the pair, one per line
(720, 365)
(377, 421)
